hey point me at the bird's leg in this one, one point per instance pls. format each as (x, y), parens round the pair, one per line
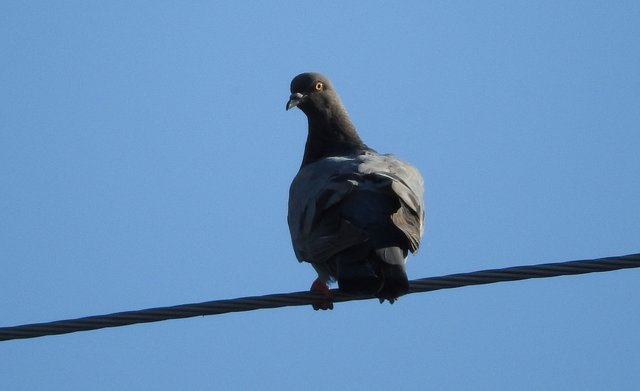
(320, 287)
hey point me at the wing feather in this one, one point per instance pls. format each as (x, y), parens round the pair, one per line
(318, 232)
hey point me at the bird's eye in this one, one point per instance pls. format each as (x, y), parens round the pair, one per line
(319, 86)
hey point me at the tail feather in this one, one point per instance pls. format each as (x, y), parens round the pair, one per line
(359, 278)
(378, 273)
(356, 273)
(395, 283)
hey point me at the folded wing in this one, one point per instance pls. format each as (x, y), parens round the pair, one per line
(321, 222)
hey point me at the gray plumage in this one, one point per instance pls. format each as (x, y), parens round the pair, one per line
(354, 214)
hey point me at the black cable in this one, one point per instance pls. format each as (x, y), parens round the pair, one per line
(307, 298)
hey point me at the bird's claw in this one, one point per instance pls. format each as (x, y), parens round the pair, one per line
(321, 287)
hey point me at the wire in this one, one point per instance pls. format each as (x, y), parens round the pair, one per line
(306, 298)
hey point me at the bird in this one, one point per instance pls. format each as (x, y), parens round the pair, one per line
(353, 214)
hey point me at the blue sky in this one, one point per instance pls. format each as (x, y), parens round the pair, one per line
(145, 159)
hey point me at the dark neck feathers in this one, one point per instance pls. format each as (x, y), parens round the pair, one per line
(331, 133)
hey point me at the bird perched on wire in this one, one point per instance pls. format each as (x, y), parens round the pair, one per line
(354, 214)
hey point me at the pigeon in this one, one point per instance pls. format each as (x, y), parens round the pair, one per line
(354, 213)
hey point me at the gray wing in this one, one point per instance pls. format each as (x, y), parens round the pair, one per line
(408, 185)
(318, 232)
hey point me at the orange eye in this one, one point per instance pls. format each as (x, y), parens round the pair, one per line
(319, 86)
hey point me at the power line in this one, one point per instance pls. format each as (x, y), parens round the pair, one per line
(307, 298)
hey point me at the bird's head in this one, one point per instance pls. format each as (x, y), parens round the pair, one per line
(331, 132)
(311, 92)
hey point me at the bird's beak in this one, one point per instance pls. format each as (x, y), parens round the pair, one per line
(295, 100)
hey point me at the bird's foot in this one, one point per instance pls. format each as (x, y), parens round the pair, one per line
(321, 287)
